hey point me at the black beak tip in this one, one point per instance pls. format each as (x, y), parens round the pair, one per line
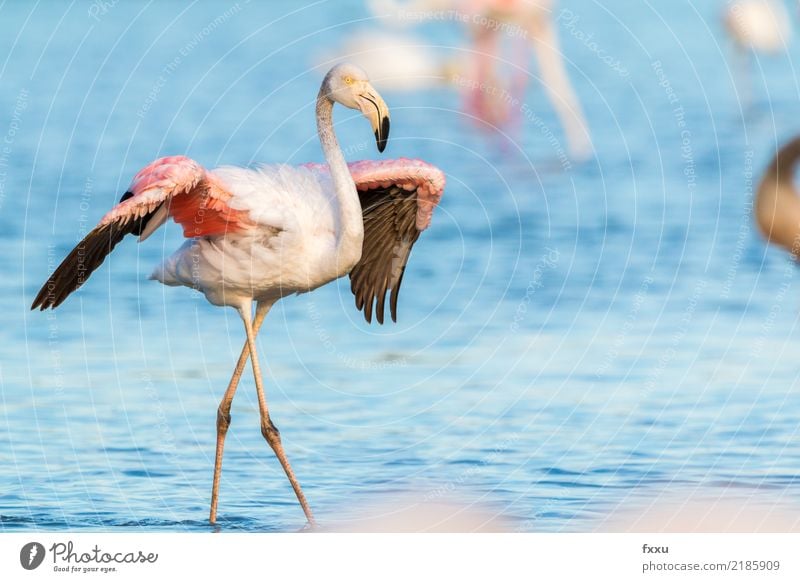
(382, 136)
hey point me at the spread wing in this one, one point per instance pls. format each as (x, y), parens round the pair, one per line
(397, 200)
(174, 186)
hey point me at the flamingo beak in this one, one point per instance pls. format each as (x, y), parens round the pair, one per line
(374, 108)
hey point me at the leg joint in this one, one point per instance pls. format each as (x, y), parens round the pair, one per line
(223, 419)
(270, 431)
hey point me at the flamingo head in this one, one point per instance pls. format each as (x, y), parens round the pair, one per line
(349, 85)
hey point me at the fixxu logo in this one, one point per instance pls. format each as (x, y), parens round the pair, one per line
(31, 555)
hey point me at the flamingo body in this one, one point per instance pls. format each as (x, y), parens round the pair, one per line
(257, 235)
(266, 232)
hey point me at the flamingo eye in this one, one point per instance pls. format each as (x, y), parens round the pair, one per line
(348, 80)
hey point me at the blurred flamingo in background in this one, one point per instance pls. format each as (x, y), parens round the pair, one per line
(527, 25)
(760, 26)
(258, 235)
(403, 62)
(777, 204)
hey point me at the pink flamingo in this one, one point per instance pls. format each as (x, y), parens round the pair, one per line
(258, 235)
(534, 30)
(529, 26)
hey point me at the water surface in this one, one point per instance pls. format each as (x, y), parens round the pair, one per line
(570, 340)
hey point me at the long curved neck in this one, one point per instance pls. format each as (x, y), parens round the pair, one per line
(351, 222)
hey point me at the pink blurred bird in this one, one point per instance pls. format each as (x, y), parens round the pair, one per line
(258, 235)
(529, 25)
(488, 95)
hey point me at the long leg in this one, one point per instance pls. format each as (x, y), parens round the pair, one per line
(269, 430)
(482, 102)
(559, 89)
(224, 410)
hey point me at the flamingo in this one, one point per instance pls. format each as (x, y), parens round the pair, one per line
(760, 26)
(258, 235)
(535, 19)
(530, 23)
(405, 62)
(777, 204)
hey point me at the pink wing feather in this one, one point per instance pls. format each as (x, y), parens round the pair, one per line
(407, 174)
(173, 186)
(195, 199)
(398, 198)
(179, 187)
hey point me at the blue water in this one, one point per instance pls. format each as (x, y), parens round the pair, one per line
(571, 339)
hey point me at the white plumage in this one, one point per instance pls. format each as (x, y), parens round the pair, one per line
(292, 249)
(256, 235)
